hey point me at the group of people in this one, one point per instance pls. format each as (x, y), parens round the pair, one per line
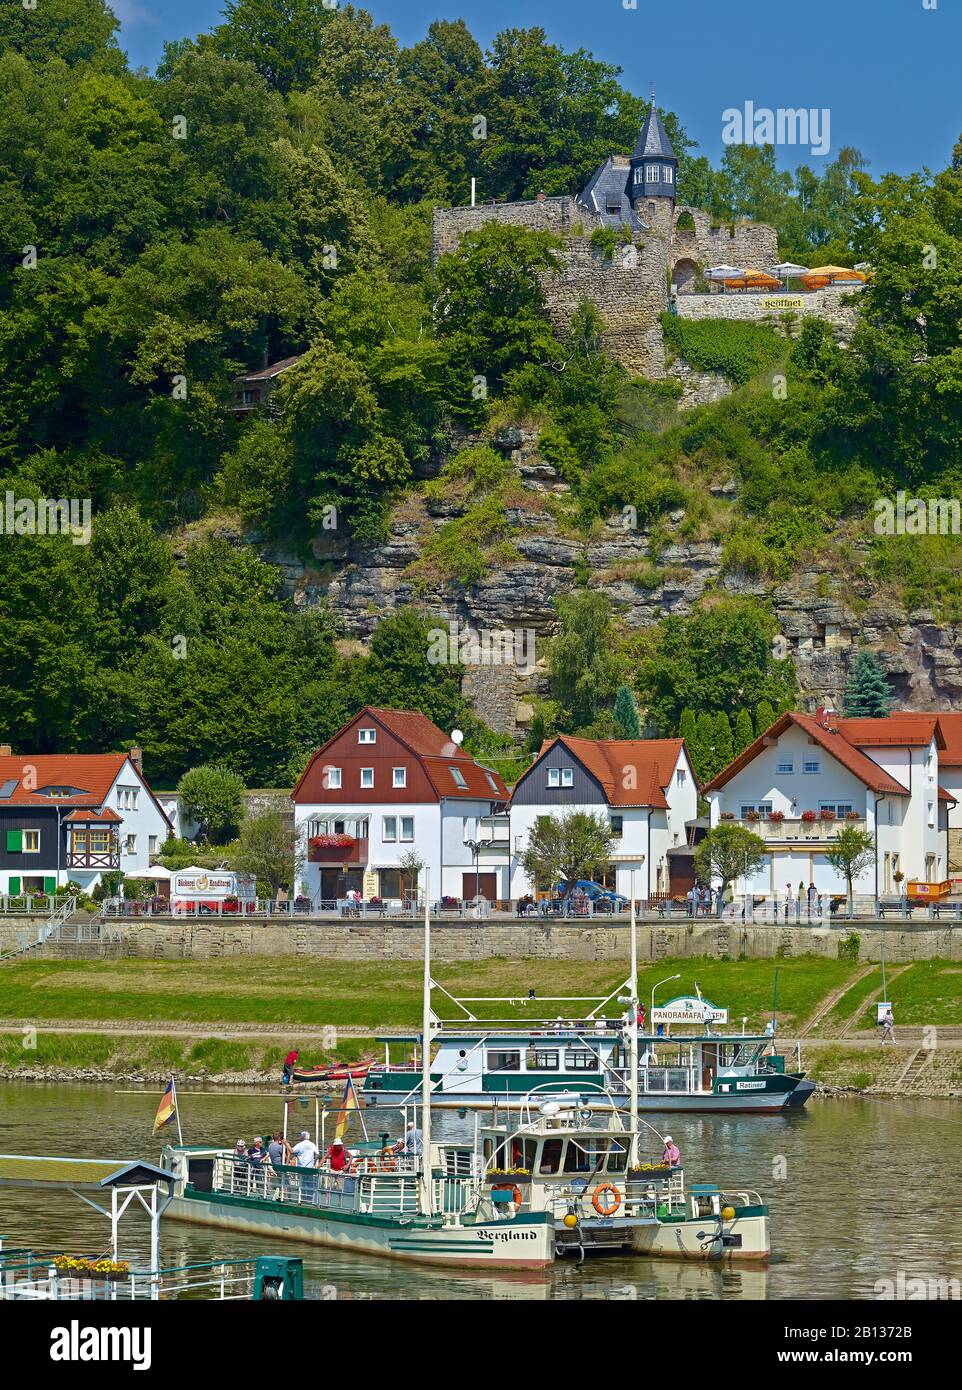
(701, 898)
(278, 1153)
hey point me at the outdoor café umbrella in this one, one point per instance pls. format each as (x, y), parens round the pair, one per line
(723, 272)
(788, 270)
(750, 279)
(156, 874)
(821, 275)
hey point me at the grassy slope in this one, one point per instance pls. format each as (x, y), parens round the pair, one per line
(292, 992)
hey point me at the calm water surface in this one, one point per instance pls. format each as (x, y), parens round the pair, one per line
(870, 1187)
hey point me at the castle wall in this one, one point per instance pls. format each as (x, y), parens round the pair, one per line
(837, 306)
(742, 243)
(557, 215)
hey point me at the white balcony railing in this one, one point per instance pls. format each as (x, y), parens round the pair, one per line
(795, 830)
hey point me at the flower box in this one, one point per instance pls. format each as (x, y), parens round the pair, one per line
(826, 814)
(776, 817)
(809, 817)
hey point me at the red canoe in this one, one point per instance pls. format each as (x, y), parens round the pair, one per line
(357, 1072)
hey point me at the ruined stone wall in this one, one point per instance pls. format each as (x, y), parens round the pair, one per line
(557, 215)
(742, 243)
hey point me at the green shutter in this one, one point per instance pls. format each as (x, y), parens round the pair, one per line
(15, 842)
(13, 887)
(49, 883)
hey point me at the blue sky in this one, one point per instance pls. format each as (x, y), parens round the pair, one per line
(887, 70)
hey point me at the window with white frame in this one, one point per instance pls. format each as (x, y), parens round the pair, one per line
(760, 808)
(400, 775)
(651, 173)
(130, 845)
(367, 735)
(407, 828)
(554, 777)
(492, 783)
(681, 777)
(367, 777)
(31, 842)
(459, 778)
(810, 766)
(151, 844)
(839, 809)
(668, 174)
(332, 778)
(785, 766)
(389, 829)
(931, 813)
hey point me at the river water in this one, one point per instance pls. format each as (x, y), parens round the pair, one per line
(859, 1190)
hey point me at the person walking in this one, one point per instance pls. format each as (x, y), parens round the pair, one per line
(888, 1027)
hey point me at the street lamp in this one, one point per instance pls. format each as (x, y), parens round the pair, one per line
(474, 846)
(655, 986)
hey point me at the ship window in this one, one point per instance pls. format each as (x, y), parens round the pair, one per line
(541, 1060)
(581, 1059)
(550, 1156)
(617, 1157)
(504, 1061)
(577, 1161)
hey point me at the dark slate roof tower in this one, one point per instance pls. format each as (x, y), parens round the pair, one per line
(654, 165)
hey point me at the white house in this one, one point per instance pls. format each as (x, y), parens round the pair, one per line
(388, 784)
(808, 775)
(647, 789)
(73, 817)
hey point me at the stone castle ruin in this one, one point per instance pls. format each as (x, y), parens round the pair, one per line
(656, 244)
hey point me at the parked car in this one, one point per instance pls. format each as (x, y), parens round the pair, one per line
(596, 892)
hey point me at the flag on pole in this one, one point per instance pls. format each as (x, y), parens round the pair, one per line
(167, 1108)
(348, 1103)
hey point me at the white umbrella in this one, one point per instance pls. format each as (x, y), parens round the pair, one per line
(788, 270)
(157, 874)
(725, 272)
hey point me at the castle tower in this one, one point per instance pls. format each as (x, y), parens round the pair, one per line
(654, 170)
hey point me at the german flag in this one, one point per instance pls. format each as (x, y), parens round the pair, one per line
(348, 1103)
(167, 1108)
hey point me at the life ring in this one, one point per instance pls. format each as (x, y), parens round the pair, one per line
(509, 1187)
(355, 1163)
(606, 1209)
(388, 1162)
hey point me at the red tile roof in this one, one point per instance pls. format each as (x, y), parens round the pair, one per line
(92, 774)
(434, 750)
(950, 723)
(632, 771)
(894, 731)
(107, 816)
(832, 740)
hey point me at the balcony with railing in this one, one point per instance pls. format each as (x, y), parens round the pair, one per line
(337, 850)
(797, 829)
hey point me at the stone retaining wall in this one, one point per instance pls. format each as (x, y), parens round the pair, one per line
(203, 940)
(836, 306)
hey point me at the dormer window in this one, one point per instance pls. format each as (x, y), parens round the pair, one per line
(367, 735)
(492, 783)
(459, 777)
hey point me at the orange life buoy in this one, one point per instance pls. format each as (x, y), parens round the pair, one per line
(388, 1163)
(605, 1208)
(509, 1187)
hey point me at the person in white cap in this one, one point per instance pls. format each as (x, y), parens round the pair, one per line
(305, 1153)
(672, 1154)
(411, 1143)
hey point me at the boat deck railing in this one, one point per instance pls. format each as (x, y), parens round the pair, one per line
(32, 1277)
(394, 1191)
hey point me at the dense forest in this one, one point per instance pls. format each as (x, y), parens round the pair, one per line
(268, 192)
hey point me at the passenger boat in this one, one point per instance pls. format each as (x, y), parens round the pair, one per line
(557, 1180)
(476, 1062)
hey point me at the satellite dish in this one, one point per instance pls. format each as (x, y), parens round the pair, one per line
(457, 736)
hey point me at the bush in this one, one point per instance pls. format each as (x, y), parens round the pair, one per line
(603, 239)
(848, 949)
(738, 350)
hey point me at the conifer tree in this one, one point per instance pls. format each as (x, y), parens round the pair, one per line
(867, 694)
(744, 733)
(724, 742)
(764, 717)
(626, 712)
(704, 756)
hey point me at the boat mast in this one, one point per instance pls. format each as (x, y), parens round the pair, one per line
(427, 1195)
(633, 1033)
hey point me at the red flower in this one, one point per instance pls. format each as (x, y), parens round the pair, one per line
(808, 817)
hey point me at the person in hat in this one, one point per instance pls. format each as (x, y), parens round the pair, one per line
(239, 1171)
(410, 1144)
(338, 1157)
(672, 1154)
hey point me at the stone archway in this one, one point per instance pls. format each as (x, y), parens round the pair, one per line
(683, 275)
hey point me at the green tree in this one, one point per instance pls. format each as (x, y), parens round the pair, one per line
(705, 734)
(75, 31)
(764, 717)
(626, 712)
(215, 797)
(400, 674)
(850, 854)
(867, 692)
(282, 39)
(568, 847)
(583, 671)
(744, 733)
(728, 852)
(269, 848)
(724, 742)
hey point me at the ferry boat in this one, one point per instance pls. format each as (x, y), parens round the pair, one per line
(474, 1063)
(557, 1180)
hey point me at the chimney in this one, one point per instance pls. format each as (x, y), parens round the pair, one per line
(136, 756)
(5, 750)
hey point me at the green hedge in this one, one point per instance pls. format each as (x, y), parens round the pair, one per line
(739, 350)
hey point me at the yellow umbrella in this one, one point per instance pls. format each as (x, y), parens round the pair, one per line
(753, 279)
(829, 273)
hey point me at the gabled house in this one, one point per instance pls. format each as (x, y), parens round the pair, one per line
(254, 389)
(808, 775)
(387, 784)
(72, 817)
(645, 787)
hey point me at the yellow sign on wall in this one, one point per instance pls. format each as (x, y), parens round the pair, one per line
(783, 301)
